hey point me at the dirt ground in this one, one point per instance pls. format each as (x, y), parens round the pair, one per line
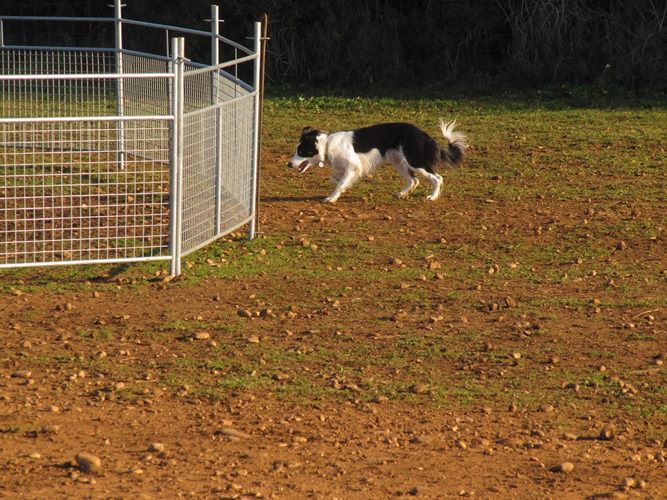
(375, 349)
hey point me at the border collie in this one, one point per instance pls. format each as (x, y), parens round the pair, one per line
(354, 154)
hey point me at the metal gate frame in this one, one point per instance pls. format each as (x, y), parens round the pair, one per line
(199, 120)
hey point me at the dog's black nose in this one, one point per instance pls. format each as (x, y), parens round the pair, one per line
(289, 165)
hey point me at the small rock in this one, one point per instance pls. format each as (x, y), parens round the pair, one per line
(228, 431)
(253, 339)
(628, 483)
(419, 389)
(201, 336)
(35, 456)
(513, 442)
(481, 443)
(88, 462)
(572, 386)
(244, 313)
(565, 467)
(511, 302)
(608, 432)
(156, 447)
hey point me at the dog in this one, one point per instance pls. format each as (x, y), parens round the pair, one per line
(354, 154)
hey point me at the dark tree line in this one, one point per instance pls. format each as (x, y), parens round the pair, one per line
(410, 42)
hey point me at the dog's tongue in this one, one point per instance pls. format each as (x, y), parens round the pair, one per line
(303, 167)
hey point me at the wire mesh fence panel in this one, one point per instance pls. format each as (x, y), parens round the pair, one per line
(72, 201)
(218, 149)
(199, 178)
(147, 97)
(39, 97)
(113, 155)
(237, 148)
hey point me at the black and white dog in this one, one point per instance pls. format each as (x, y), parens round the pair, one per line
(355, 154)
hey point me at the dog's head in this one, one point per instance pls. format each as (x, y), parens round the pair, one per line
(310, 151)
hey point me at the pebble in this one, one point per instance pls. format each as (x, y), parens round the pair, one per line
(628, 483)
(253, 339)
(565, 467)
(88, 462)
(50, 429)
(418, 389)
(511, 302)
(35, 456)
(228, 431)
(244, 313)
(201, 336)
(156, 447)
(608, 432)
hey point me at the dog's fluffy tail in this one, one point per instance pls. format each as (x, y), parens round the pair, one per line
(456, 144)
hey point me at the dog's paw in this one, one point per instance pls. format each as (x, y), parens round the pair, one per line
(403, 195)
(430, 197)
(330, 199)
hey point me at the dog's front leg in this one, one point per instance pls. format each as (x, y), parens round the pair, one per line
(348, 178)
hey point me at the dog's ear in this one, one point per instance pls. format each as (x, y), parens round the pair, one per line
(307, 130)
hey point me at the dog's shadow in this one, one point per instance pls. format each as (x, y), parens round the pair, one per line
(278, 199)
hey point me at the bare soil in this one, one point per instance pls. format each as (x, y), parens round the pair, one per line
(407, 349)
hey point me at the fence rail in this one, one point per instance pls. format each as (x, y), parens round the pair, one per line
(116, 155)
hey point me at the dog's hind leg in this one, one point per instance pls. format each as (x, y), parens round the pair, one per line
(436, 181)
(397, 159)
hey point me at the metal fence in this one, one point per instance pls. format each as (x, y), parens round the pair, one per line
(115, 155)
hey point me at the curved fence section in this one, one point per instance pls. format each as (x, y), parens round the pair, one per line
(116, 155)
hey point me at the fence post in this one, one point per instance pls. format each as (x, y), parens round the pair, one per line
(215, 60)
(264, 19)
(120, 99)
(256, 130)
(176, 158)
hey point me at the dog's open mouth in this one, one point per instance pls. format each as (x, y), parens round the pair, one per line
(304, 166)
